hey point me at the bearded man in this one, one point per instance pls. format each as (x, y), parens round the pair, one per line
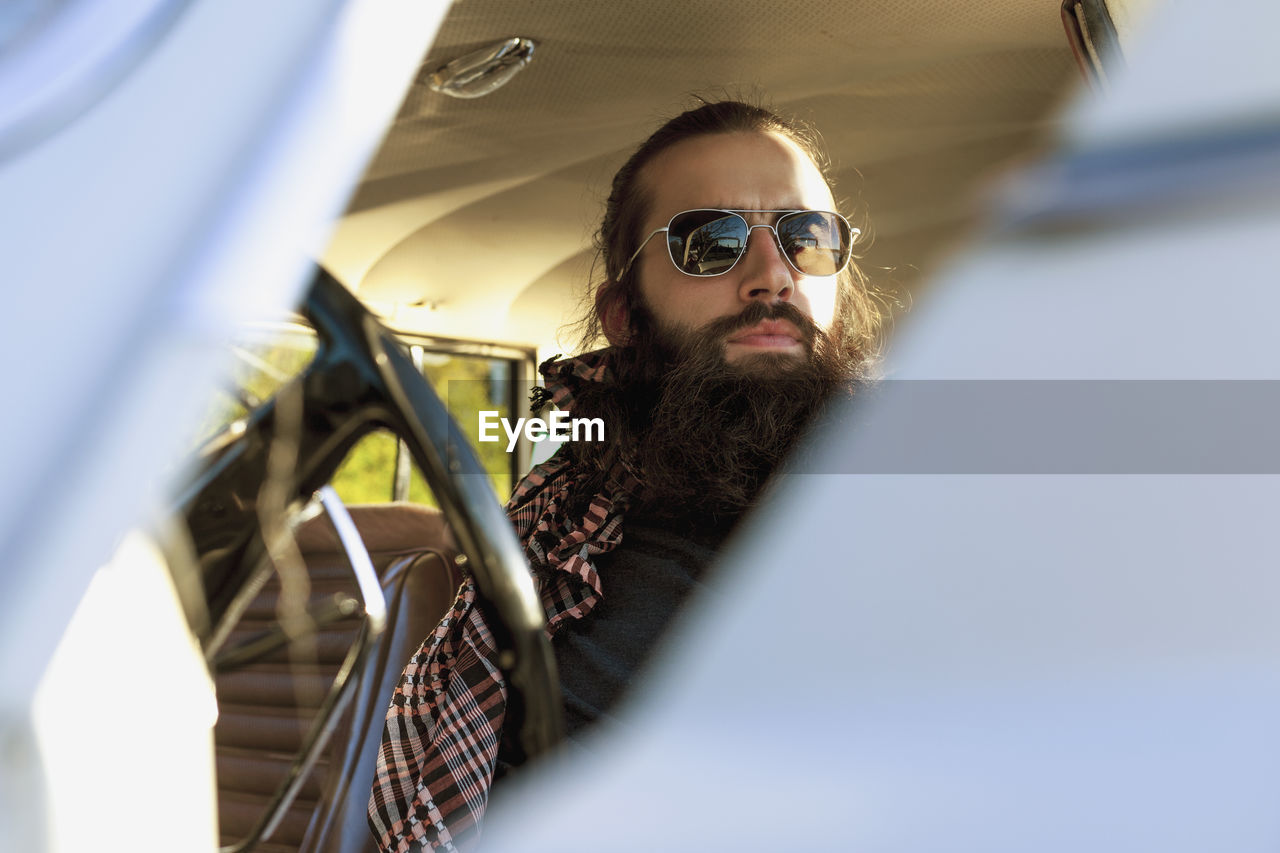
(732, 312)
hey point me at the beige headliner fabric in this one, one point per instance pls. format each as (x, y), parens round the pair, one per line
(485, 208)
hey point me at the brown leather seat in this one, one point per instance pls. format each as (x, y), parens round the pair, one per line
(266, 707)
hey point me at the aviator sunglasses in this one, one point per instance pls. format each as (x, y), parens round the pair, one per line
(709, 242)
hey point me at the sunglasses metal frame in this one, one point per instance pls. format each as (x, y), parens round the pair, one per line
(854, 233)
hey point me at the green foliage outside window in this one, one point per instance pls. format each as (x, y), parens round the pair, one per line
(367, 474)
(468, 385)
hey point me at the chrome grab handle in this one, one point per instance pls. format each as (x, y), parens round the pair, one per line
(375, 603)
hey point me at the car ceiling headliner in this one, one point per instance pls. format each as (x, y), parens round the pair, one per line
(474, 220)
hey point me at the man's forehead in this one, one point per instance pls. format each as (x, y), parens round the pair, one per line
(738, 171)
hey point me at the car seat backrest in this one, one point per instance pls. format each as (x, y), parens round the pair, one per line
(266, 707)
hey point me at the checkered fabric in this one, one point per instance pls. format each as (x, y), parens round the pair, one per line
(444, 725)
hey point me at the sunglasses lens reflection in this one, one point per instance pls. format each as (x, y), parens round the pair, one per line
(816, 243)
(709, 242)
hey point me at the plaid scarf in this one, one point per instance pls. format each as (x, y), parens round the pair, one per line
(443, 728)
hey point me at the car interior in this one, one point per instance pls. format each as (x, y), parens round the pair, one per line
(472, 228)
(469, 235)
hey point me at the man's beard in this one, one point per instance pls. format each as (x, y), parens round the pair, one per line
(701, 434)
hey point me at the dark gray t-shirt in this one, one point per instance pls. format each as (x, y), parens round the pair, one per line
(644, 583)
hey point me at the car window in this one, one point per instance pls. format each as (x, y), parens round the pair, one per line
(469, 377)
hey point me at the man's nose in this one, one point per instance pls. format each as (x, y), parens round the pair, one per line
(766, 275)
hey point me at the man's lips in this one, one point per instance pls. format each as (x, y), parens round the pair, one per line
(778, 334)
